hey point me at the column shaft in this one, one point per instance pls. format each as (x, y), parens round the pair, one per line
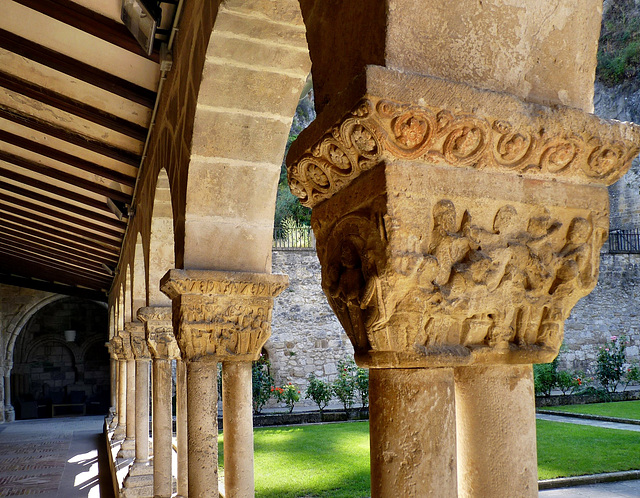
(202, 405)
(181, 428)
(496, 429)
(413, 434)
(238, 429)
(131, 399)
(114, 383)
(7, 390)
(162, 428)
(142, 411)
(122, 393)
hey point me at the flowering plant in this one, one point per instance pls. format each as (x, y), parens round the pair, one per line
(262, 382)
(344, 387)
(632, 376)
(319, 391)
(287, 394)
(610, 362)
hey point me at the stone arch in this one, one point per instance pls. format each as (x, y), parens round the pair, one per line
(139, 279)
(162, 241)
(255, 68)
(76, 351)
(21, 320)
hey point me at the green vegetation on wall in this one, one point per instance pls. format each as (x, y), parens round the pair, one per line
(619, 46)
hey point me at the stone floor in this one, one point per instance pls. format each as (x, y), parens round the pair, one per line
(53, 458)
(58, 458)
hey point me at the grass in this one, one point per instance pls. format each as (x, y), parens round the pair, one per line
(332, 460)
(620, 409)
(568, 450)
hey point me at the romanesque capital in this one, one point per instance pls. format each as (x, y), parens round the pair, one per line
(456, 226)
(111, 347)
(159, 332)
(139, 346)
(222, 315)
(122, 345)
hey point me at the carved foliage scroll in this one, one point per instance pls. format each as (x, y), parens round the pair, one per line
(380, 129)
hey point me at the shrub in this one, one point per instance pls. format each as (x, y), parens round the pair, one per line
(318, 391)
(262, 383)
(610, 362)
(567, 382)
(632, 376)
(287, 394)
(545, 377)
(362, 386)
(344, 387)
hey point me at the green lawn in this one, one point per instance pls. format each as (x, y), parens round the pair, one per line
(620, 409)
(332, 460)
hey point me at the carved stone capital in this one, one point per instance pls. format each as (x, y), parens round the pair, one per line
(424, 267)
(402, 116)
(139, 347)
(112, 349)
(122, 345)
(222, 315)
(159, 332)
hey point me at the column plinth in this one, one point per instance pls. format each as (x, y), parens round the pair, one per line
(455, 227)
(163, 349)
(220, 316)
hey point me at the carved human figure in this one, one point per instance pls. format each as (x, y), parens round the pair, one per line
(574, 266)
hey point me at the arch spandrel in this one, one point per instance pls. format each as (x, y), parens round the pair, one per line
(139, 276)
(161, 245)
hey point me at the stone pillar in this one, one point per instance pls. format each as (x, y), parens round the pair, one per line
(9, 412)
(219, 316)
(139, 480)
(485, 467)
(182, 436)
(127, 449)
(113, 384)
(120, 420)
(237, 408)
(164, 349)
(456, 228)
(2, 392)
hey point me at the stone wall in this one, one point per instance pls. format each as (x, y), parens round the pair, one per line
(611, 309)
(306, 335)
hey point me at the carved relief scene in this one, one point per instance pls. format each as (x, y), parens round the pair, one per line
(471, 277)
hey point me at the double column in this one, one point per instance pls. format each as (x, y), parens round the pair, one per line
(220, 317)
(128, 371)
(119, 423)
(164, 349)
(456, 229)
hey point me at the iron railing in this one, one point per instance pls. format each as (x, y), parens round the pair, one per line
(624, 241)
(300, 237)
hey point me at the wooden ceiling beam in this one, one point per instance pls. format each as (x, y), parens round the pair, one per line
(59, 215)
(66, 290)
(30, 165)
(49, 253)
(25, 232)
(29, 220)
(22, 238)
(72, 106)
(104, 149)
(69, 270)
(76, 69)
(69, 159)
(90, 22)
(72, 208)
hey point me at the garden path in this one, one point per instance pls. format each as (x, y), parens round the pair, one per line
(585, 421)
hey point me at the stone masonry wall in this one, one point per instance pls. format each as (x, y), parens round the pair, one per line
(306, 335)
(611, 309)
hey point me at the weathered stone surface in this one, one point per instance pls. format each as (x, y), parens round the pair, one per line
(222, 315)
(159, 332)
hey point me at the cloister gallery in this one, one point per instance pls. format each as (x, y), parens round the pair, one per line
(458, 184)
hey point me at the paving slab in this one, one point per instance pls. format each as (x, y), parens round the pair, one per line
(623, 489)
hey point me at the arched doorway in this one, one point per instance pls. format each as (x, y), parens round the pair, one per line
(60, 364)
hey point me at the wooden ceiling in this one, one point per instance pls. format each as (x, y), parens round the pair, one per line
(76, 98)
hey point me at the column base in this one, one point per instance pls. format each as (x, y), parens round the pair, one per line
(128, 449)
(119, 433)
(9, 414)
(139, 480)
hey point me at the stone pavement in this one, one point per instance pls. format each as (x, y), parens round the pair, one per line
(53, 458)
(622, 489)
(586, 421)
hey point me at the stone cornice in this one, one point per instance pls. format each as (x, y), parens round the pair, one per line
(410, 117)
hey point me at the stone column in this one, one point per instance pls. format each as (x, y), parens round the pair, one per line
(2, 392)
(182, 436)
(219, 316)
(139, 480)
(120, 420)
(456, 229)
(128, 445)
(9, 412)
(113, 379)
(164, 349)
